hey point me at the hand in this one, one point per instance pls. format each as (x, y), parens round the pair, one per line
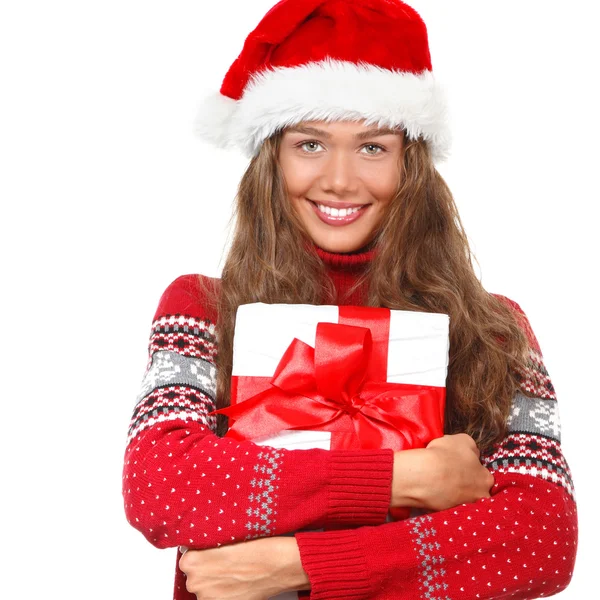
(446, 473)
(253, 570)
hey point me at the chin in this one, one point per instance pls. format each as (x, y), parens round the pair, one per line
(339, 246)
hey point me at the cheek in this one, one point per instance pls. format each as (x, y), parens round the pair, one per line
(296, 204)
(301, 175)
(383, 189)
(383, 184)
(293, 171)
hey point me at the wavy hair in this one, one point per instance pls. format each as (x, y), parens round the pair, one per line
(422, 263)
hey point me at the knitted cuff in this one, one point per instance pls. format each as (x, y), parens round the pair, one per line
(335, 565)
(361, 486)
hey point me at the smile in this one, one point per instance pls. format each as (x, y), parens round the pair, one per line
(334, 212)
(338, 216)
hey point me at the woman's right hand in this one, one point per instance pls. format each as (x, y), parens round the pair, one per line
(445, 474)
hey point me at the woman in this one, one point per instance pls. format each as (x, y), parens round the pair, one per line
(342, 204)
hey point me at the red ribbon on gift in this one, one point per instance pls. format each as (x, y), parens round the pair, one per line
(339, 386)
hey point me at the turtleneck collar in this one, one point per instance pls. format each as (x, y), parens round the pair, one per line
(345, 270)
(353, 261)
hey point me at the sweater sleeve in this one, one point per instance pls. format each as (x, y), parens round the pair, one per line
(519, 543)
(184, 485)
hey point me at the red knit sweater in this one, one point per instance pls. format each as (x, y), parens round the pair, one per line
(183, 485)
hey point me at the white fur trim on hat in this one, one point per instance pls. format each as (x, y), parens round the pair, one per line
(329, 90)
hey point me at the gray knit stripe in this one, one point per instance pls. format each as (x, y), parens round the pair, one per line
(534, 415)
(172, 368)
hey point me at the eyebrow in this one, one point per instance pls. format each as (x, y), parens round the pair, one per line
(370, 133)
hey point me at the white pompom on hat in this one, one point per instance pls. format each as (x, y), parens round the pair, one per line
(330, 60)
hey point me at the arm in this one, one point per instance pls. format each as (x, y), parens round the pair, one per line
(183, 485)
(265, 567)
(519, 543)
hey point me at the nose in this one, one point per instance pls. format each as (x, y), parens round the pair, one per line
(339, 174)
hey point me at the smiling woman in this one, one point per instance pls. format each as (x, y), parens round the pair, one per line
(341, 203)
(341, 191)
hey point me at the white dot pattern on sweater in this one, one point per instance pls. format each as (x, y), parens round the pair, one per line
(258, 517)
(504, 547)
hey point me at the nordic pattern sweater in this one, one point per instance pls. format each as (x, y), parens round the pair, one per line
(183, 485)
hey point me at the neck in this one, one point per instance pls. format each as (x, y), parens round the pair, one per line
(345, 270)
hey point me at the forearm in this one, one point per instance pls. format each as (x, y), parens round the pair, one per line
(183, 485)
(495, 547)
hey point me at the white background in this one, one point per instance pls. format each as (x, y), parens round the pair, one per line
(107, 197)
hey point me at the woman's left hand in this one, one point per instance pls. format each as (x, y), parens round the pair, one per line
(253, 570)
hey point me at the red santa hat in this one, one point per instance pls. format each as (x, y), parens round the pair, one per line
(330, 60)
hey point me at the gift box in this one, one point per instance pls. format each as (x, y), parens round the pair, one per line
(338, 377)
(334, 377)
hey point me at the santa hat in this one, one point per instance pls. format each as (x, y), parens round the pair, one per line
(329, 60)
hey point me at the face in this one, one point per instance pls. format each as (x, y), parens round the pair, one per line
(341, 177)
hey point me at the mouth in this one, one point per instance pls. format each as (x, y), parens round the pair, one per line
(340, 213)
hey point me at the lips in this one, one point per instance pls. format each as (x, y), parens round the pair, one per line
(339, 213)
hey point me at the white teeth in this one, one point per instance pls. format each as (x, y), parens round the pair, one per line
(335, 212)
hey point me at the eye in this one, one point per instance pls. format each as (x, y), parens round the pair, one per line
(375, 146)
(301, 145)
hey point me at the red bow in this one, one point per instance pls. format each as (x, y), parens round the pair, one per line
(328, 388)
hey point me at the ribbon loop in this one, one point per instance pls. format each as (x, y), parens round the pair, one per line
(295, 371)
(342, 354)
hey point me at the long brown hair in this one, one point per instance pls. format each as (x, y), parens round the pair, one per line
(423, 263)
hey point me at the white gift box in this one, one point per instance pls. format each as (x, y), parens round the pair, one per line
(418, 350)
